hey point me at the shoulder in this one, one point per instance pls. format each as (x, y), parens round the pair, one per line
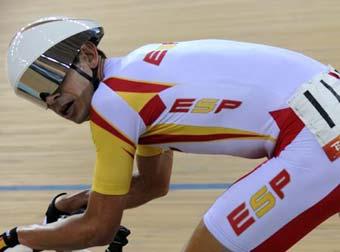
(110, 109)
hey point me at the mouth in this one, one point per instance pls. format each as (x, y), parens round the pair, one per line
(67, 109)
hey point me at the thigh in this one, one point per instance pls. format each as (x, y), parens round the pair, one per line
(203, 241)
(279, 202)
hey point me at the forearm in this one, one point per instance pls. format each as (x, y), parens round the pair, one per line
(72, 233)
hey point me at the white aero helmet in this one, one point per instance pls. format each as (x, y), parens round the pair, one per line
(41, 53)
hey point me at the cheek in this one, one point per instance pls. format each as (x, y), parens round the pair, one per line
(78, 91)
(75, 85)
(82, 111)
(86, 95)
(85, 98)
(83, 103)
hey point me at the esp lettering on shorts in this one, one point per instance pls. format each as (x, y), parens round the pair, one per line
(204, 105)
(261, 203)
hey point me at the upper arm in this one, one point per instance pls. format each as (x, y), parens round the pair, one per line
(156, 170)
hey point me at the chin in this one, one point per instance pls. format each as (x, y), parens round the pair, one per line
(81, 114)
(81, 117)
(78, 120)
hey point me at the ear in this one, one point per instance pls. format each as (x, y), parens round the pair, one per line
(90, 54)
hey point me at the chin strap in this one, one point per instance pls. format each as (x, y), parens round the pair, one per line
(93, 79)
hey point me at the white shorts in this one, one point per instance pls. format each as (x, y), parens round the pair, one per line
(283, 199)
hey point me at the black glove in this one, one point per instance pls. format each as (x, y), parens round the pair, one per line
(119, 241)
(9, 239)
(53, 214)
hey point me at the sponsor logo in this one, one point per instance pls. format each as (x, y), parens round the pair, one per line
(205, 105)
(332, 149)
(336, 146)
(261, 202)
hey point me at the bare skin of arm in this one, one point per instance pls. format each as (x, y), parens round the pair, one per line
(151, 182)
(103, 214)
(93, 228)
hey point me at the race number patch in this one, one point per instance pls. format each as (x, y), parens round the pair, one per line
(317, 103)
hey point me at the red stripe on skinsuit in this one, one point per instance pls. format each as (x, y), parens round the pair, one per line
(290, 126)
(334, 75)
(152, 110)
(121, 85)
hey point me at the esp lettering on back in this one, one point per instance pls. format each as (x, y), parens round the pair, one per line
(156, 57)
(204, 105)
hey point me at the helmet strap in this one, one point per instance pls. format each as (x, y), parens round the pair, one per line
(93, 79)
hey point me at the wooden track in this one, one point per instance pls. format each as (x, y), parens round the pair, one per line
(38, 148)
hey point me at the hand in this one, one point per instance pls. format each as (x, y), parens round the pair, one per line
(119, 241)
(9, 239)
(53, 214)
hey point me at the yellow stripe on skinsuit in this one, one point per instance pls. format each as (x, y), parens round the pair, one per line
(180, 129)
(136, 100)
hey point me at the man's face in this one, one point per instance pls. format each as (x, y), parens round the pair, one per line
(72, 100)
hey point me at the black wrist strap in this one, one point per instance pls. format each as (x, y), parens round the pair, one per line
(53, 213)
(11, 238)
